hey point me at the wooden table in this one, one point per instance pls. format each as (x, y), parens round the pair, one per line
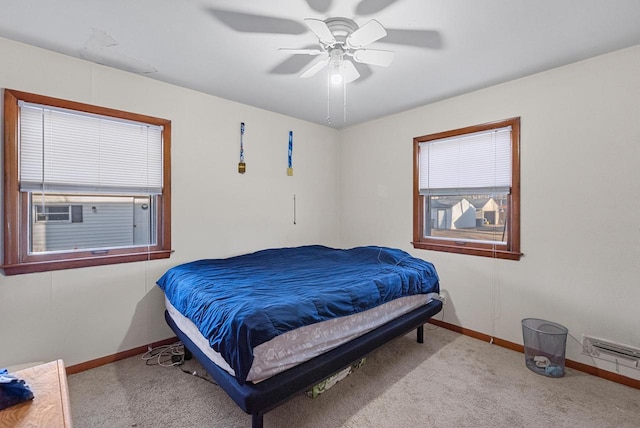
(50, 405)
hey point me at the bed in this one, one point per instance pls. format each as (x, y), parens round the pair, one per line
(271, 324)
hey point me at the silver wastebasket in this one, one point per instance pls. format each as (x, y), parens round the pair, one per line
(545, 344)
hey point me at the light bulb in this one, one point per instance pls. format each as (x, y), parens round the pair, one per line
(335, 70)
(336, 77)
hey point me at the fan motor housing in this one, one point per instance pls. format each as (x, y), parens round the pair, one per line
(341, 28)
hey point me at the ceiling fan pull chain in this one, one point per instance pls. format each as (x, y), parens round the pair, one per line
(328, 99)
(344, 100)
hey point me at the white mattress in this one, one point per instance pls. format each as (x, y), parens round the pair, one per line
(297, 346)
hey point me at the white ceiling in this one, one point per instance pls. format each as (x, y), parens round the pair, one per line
(229, 48)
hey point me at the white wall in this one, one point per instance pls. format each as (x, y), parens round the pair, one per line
(580, 149)
(83, 314)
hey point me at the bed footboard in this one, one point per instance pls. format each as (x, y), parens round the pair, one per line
(258, 399)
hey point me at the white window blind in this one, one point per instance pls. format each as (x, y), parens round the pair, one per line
(467, 164)
(67, 151)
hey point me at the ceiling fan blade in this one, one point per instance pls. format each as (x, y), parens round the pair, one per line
(428, 39)
(315, 68)
(292, 64)
(350, 72)
(302, 51)
(321, 6)
(249, 23)
(369, 7)
(368, 33)
(320, 29)
(373, 57)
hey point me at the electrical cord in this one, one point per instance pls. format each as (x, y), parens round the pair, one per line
(435, 327)
(171, 356)
(196, 374)
(166, 355)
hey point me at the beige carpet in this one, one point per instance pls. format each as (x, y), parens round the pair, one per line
(449, 381)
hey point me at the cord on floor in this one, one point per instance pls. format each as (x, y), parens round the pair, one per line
(196, 374)
(171, 356)
(435, 327)
(166, 355)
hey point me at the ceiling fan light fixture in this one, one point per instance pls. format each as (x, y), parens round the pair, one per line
(335, 75)
(339, 38)
(336, 61)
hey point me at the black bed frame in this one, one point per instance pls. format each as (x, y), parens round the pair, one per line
(258, 399)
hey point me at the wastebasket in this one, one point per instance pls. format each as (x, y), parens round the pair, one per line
(545, 344)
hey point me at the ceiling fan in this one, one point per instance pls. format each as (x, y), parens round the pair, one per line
(341, 40)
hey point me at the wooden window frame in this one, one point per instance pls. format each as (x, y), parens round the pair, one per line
(510, 250)
(17, 259)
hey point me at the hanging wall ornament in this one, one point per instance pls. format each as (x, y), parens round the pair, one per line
(290, 155)
(242, 167)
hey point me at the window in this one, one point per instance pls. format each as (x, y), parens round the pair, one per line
(467, 190)
(84, 185)
(47, 213)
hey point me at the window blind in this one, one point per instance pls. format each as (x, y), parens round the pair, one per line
(67, 151)
(468, 164)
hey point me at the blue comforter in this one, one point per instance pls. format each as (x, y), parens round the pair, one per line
(240, 302)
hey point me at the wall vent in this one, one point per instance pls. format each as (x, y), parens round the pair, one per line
(611, 351)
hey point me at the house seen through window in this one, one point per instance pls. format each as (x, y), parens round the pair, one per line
(85, 185)
(467, 190)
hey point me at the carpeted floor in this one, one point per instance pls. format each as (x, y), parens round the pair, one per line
(449, 381)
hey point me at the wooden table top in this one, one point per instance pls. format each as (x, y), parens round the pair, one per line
(50, 405)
